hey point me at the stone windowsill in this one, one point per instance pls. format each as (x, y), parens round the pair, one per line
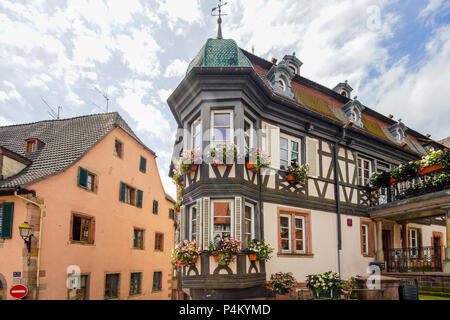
(295, 255)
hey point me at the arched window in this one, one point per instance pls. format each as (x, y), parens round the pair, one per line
(343, 93)
(282, 84)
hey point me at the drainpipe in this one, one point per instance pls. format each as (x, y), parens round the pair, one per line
(38, 267)
(338, 198)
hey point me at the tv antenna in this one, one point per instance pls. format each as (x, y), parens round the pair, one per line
(54, 114)
(220, 14)
(105, 95)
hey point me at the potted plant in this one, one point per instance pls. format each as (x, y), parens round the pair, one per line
(189, 160)
(281, 282)
(259, 250)
(297, 174)
(347, 289)
(185, 253)
(325, 285)
(434, 161)
(257, 160)
(225, 250)
(224, 155)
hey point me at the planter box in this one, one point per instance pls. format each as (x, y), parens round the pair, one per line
(432, 168)
(333, 294)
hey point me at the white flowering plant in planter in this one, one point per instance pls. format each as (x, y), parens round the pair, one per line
(325, 282)
(261, 249)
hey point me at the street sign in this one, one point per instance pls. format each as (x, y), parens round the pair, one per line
(19, 291)
(17, 274)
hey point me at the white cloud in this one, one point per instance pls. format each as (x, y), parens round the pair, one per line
(433, 8)
(164, 95)
(3, 121)
(186, 11)
(176, 68)
(420, 97)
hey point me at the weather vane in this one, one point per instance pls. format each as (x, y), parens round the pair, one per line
(219, 20)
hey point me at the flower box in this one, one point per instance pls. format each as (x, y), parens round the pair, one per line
(429, 169)
(333, 294)
(194, 261)
(222, 164)
(290, 178)
(192, 169)
(252, 256)
(216, 257)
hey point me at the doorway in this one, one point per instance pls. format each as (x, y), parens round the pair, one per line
(3, 291)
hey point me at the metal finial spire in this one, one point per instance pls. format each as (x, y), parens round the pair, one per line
(219, 20)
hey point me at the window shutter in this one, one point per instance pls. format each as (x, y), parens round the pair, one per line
(237, 218)
(183, 223)
(123, 188)
(140, 196)
(205, 222)
(312, 147)
(271, 144)
(199, 223)
(82, 177)
(155, 206)
(143, 165)
(7, 211)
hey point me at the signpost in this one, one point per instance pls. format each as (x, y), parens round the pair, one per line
(18, 291)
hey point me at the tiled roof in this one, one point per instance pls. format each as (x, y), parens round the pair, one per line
(66, 141)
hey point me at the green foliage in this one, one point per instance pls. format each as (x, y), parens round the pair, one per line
(261, 249)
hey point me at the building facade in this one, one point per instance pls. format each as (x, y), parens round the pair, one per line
(91, 191)
(230, 96)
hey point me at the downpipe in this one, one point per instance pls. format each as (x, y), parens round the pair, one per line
(38, 267)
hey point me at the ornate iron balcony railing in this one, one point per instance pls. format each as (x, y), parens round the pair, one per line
(417, 259)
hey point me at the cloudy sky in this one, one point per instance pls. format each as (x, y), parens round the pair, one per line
(395, 54)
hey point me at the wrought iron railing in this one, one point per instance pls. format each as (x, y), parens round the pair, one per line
(417, 259)
(424, 184)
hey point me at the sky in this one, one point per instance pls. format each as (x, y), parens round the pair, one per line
(395, 54)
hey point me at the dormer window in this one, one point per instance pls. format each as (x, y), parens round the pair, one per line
(398, 132)
(293, 68)
(282, 84)
(343, 93)
(344, 89)
(34, 145)
(353, 110)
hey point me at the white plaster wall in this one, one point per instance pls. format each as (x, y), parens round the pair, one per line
(11, 167)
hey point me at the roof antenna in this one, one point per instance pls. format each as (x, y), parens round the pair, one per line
(52, 112)
(105, 95)
(219, 20)
(253, 49)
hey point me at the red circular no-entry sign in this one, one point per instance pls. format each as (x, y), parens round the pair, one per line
(18, 291)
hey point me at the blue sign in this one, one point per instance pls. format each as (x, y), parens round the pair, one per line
(17, 274)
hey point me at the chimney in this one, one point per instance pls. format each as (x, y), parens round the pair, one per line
(390, 116)
(274, 61)
(428, 135)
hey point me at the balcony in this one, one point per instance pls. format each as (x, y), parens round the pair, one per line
(418, 259)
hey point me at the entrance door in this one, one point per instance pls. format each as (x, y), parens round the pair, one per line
(437, 253)
(386, 238)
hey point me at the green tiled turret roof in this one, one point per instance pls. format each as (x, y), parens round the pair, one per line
(220, 53)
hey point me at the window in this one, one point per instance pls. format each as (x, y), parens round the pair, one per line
(364, 171)
(343, 93)
(135, 283)
(155, 206)
(197, 134)
(32, 145)
(248, 134)
(299, 234)
(138, 239)
(171, 213)
(222, 219)
(157, 281)
(281, 84)
(382, 167)
(112, 286)
(365, 239)
(143, 165)
(222, 128)
(193, 222)
(285, 234)
(6, 219)
(82, 229)
(294, 232)
(413, 242)
(87, 180)
(289, 151)
(159, 241)
(80, 293)
(118, 149)
(293, 68)
(130, 195)
(249, 214)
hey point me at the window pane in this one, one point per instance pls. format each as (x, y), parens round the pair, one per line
(197, 127)
(283, 154)
(85, 233)
(366, 165)
(197, 141)
(283, 143)
(76, 229)
(294, 146)
(285, 244)
(248, 227)
(247, 126)
(299, 223)
(284, 222)
(221, 134)
(294, 157)
(248, 212)
(283, 164)
(299, 234)
(222, 119)
(284, 233)
(299, 245)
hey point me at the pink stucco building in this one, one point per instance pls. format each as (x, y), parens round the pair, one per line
(91, 191)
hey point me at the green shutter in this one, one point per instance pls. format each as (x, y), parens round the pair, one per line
(155, 206)
(123, 187)
(7, 211)
(171, 214)
(140, 196)
(82, 177)
(143, 165)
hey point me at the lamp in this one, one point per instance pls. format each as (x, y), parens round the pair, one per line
(26, 232)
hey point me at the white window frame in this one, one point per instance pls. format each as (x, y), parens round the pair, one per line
(291, 139)
(282, 84)
(211, 217)
(230, 112)
(413, 250)
(365, 231)
(250, 136)
(253, 234)
(191, 229)
(361, 172)
(289, 232)
(304, 233)
(193, 135)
